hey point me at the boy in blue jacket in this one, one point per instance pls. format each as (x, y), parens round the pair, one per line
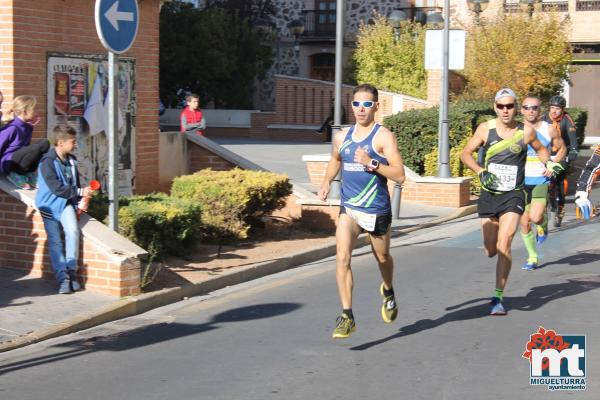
(57, 198)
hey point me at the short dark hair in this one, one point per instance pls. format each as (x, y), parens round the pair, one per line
(365, 87)
(63, 132)
(191, 96)
(532, 96)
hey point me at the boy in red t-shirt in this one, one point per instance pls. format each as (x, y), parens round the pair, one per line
(191, 118)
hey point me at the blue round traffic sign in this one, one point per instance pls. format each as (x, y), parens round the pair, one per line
(117, 23)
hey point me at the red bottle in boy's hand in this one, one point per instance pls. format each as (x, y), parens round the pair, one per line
(85, 200)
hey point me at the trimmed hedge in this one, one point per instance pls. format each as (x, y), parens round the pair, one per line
(417, 130)
(457, 168)
(580, 117)
(232, 200)
(159, 223)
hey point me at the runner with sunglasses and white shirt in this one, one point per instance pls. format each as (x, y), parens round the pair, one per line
(368, 156)
(537, 179)
(502, 200)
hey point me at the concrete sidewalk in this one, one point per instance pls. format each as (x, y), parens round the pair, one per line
(32, 311)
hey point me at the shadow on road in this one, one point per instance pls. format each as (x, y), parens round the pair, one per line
(575, 259)
(152, 334)
(536, 298)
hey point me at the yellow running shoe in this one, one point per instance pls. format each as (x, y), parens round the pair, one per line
(389, 309)
(345, 326)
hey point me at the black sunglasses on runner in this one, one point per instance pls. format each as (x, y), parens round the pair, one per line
(533, 108)
(507, 106)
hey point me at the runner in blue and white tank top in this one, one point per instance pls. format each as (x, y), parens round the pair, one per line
(363, 190)
(537, 180)
(368, 156)
(535, 170)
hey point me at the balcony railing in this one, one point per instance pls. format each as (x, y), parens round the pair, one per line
(321, 23)
(419, 14)
(559, 6)
(512, 7)
(588, 5)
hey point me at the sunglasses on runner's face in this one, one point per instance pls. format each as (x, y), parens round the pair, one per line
(507, 106)
(365, 104)
(530, 108)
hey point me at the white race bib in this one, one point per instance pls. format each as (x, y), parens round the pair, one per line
(507, 176)
(363, 219)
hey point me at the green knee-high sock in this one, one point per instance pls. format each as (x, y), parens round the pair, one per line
(544, 223)
(529, 241)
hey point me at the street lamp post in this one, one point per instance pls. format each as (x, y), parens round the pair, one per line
(396, 18)
(477, 7)
(296, 28)
(443, 141)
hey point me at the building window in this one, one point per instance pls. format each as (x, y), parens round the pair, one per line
(325, 16)
(322, 66)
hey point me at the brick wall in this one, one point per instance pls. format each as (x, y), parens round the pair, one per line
(320, 217)
(30, 29)
(437, 193)
(316, 171)
(201, 158)
(434, 76)
(302, 101)
(23, 247)
(452, 192)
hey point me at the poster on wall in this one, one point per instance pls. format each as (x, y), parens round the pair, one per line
(77, 96)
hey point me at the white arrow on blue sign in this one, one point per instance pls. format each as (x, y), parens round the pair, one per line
(117, 23)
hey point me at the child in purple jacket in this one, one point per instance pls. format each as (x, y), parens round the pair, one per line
(19, 157)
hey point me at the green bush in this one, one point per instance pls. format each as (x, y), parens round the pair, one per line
(580, 117)
(98, 207)
(417, 130)
(159, 223)
(232, 200)
(457, 168)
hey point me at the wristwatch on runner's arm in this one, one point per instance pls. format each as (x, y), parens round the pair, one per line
(373, 164)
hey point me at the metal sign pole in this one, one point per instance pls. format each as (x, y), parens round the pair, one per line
(117, 25)
(113, 149)
(340, 20)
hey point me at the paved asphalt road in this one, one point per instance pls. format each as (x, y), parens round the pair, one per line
(270, 339)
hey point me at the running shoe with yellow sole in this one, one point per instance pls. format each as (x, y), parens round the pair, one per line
(542, 234)
(389, 308)
(345, 326)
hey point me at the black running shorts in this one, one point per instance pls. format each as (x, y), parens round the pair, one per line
(383, 222)
(494, 205)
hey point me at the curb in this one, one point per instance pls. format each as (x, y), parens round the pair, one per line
(131, 306)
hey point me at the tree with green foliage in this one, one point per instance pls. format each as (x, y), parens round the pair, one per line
(390, 64)
(215, 52)
(529, 55)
